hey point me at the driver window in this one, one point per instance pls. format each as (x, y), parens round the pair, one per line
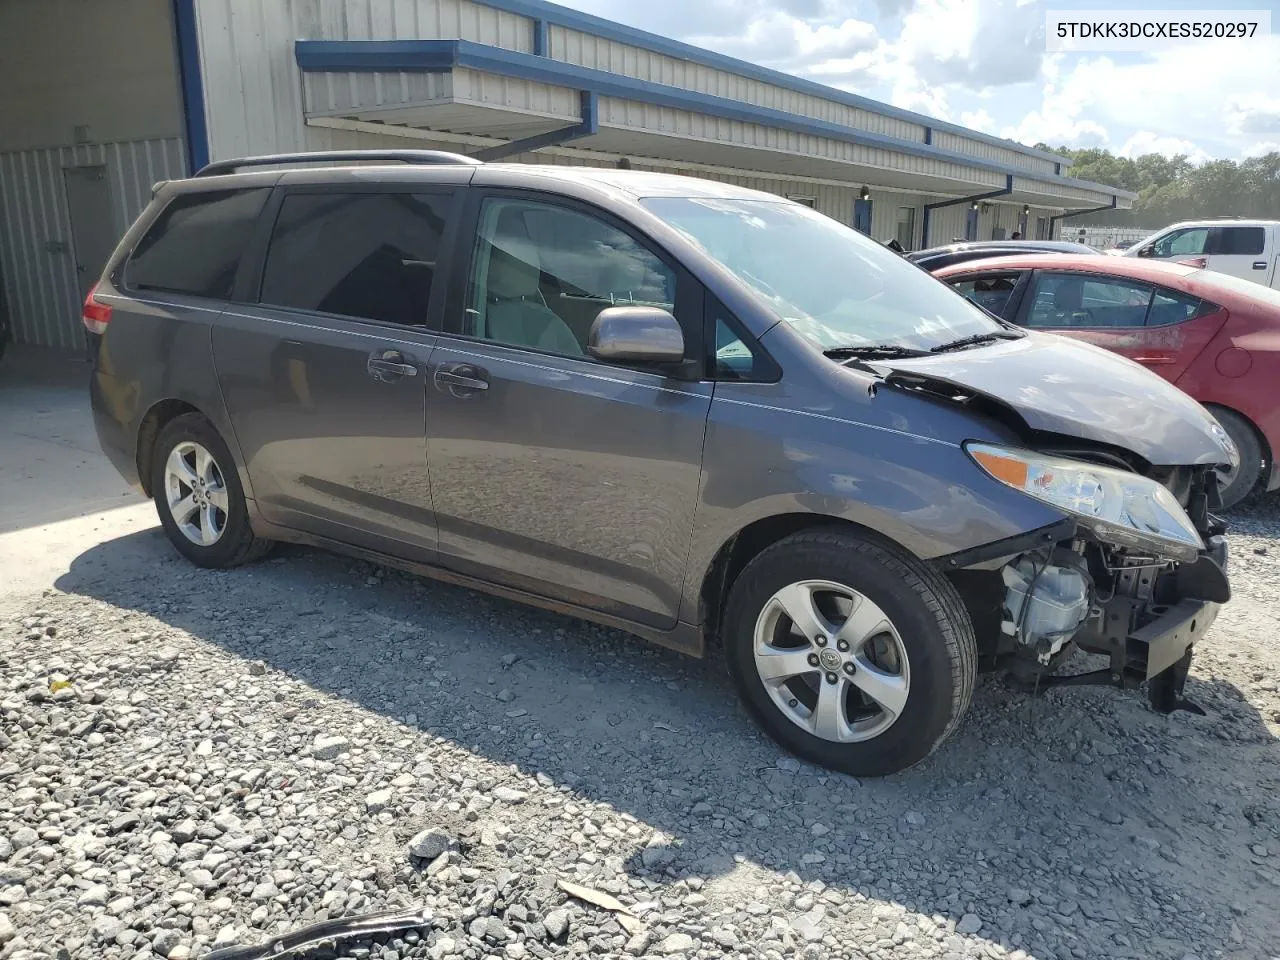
(541, 273)
(1182, 243)
(991, 291)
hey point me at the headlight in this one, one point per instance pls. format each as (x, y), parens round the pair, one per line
(1120, 507)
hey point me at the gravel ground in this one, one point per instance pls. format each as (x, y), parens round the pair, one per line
(192, 759)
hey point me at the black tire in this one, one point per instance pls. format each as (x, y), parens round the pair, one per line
(1249, 446)
(237, 543)
(929, 616)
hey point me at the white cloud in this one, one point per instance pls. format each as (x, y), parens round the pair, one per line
(979, 120)
(985, 61)
(781, 40)
(1261, 149)
(1253, 113)
(1222, 122)
(1064, 117)
(1144, 142)
(973, 43)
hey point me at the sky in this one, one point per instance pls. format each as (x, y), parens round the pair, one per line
(984, 64)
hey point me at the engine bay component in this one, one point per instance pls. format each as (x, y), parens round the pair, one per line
(1047, 598)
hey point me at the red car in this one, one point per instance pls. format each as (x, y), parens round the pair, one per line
(1215, 336)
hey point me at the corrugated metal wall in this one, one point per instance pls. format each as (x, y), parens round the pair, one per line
(40, 286)
(598, 53)
(254, 100)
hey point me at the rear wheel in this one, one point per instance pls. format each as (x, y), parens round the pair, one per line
(198, 495)
(850, 653)
(1236, 484)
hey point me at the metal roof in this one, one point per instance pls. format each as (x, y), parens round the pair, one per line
(443, 56)
(554, 13)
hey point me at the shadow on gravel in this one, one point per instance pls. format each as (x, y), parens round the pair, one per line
(1068, 818)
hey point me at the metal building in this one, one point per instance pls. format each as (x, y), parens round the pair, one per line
(102, 98)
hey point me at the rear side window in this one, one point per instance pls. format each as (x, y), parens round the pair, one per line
(194, 246)
(366, 255)
(1071, 300)
(1238, 241)
(1170, 306)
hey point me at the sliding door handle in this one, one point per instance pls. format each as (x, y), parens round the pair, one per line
(460, 378)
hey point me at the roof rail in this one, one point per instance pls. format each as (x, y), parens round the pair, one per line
(219, 167)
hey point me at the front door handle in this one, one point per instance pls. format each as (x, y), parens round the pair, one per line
(460, 378)
(1259, 264)
(388, 366)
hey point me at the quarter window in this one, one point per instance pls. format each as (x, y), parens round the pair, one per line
(1170, 306)
(1064, 300)
(194, 246)
(366, 255)
(542, 273)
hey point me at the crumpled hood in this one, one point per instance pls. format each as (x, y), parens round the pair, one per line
(1075, 389)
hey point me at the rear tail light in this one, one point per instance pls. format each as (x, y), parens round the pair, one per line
(96, 314)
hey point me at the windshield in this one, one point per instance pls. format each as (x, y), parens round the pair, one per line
(832, 284)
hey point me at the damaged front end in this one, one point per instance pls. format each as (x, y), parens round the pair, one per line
(1136, 573)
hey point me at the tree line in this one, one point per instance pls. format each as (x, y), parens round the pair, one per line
(1173, 188)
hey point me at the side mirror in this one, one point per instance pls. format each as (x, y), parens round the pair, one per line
(1146, 251)
(636, 335)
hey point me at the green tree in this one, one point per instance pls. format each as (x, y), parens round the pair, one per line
(1173, 188)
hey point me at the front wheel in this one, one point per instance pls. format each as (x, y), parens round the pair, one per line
(850, 653)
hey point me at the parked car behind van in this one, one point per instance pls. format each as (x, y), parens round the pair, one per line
(1212, 335)
(1248, 249)
(935, 258)
(681, 408)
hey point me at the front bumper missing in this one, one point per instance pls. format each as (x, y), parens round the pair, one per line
(1152, 643)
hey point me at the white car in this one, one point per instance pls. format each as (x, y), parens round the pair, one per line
(1247, 249)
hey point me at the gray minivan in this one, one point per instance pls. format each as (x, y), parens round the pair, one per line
(678, 407)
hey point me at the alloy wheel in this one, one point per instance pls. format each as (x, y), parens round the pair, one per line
(831, 661)
(196, 493)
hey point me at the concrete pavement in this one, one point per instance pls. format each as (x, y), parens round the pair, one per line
(59, 495)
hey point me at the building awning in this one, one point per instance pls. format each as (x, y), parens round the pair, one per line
(498, 101)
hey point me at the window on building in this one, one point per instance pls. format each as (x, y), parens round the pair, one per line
(194, 246)
(810, 202)
(1066, 300)
(905, 229)
(365, 255)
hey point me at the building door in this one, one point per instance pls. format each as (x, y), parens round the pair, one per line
(93, 230)
(862, 216)
(971, 224)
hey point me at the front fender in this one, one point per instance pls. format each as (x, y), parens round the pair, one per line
(920, 492)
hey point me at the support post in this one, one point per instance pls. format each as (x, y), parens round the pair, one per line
(589, 124)
(930, 207)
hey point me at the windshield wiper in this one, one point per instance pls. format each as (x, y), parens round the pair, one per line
(977, 339)
(873, 351)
